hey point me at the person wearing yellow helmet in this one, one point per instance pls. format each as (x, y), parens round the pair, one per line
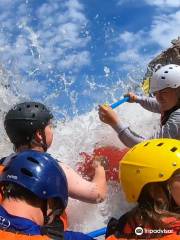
(150, 177)
(165, 86)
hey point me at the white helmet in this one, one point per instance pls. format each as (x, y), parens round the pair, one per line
(166, 76)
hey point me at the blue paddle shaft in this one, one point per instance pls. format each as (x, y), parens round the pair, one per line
(121, 101)
(97, 233)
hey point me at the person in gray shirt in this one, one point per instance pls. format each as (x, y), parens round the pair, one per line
(165, 86)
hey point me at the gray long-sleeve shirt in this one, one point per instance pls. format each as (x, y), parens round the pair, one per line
(171, 129)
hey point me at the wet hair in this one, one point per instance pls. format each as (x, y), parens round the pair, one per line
(13, 190)
(150, 211)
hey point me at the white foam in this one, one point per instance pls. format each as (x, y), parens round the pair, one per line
(84, 133)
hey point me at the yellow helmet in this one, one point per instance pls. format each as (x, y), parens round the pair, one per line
(150, 161)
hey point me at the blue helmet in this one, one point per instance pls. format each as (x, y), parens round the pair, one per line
(38, 173)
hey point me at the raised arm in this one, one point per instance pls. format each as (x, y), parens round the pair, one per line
(127, 136)
(110, 117)
(83, 190)
(148, 103)
(171, 129)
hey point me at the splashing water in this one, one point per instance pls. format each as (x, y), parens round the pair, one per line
(84, 133)
(38, 64)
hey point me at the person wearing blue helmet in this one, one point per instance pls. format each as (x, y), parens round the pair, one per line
(35, 193)
(29, 126)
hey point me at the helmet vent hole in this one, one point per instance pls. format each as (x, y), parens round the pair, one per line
(26, 172)
(28, 106)
(19, 109)
(159, 144)
(146, 144)
(33, 160)
(166, 72)
(173, 149)
(163, 77)
(36, 106)
(170, 67)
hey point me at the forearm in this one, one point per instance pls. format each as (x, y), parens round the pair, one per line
(100, 181)
(148, 103)
(170, 130)
(84, 190)
(127, 136)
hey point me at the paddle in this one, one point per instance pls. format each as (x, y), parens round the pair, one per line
(111, 157)
(118, 103)
(97, 233)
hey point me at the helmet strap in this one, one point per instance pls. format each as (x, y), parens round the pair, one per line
(56, 212)
(44, 210)
(54, 230)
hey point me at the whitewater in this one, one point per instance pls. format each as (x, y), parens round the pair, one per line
(83, 133)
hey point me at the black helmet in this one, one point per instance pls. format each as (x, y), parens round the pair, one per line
(24, 119)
